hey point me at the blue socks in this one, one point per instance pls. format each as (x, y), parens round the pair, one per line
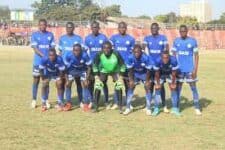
(148, 97)
(157, 98)
(195, 96)
(174, 99)
(34, 91)
(130, 94)
(68, 94)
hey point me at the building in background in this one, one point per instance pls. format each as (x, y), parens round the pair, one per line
(22, 15)
(200, 9)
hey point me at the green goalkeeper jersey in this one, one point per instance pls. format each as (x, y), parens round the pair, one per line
(108, 64)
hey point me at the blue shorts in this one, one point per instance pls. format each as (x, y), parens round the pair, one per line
(75, 74)
(36, 71)
(186, 77)
(52, 76)
(139, 78)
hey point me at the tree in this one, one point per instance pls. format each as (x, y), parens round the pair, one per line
(113, 11)
(161, 18)
(144, 17)
(5, 13)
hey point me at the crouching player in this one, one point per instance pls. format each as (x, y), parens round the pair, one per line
(108, 63)
(166, 71)
(78, 66)
(52, 68)
(139, 66)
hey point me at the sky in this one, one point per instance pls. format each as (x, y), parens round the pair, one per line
(135, 7)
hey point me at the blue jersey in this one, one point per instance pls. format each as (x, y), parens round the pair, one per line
(94, 44)
(42, 41)
(66, 43)
(140, 65)
(185, 49)
(156, 45)
(77, 63)
(166, 69)
(123, 44)
(52, 67)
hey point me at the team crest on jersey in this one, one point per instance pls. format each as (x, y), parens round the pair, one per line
(117, 41)
(75, 42)
(127, 42)
(90, 43)
(150, 43)
(81, 61)
(64, 42)
(101, 41)
(189, 45)
(38, 38)
(160, 42)
(142, 64)
(49, 38)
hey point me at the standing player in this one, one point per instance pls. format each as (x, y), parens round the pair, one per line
(139, 66)
(123, 43)
(156, 44)
(52, 68)
(108, 63)
(185, 48)
(78, 66)
(166, 71)
(66, 43)
(94, 42)
(41, 42)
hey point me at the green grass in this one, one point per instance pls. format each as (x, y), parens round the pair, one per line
(24, 128)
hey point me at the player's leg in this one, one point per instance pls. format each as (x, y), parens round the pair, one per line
(195, 97)
(79, 90)
(163, 98)
(148, 97)
(157, 99)
(44, 93)
(118, 86)
(59, 85)
(174, 98)
(130, 94)
(69, 81)
(36, 80)
(85, 94)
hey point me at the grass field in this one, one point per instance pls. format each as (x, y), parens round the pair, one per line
(22, 128)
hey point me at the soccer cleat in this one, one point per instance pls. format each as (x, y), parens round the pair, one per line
(127, 111)
(108, 106)
(198, 112)
(165, 110)
(44, 108)
(175, 111)
(148, 112)
(131, 107)
(156, 111)
(144, 109)
(59, 107)
(81, 105)
(33, 104)
(114, 107)
(90, 105)
(48, 105)
(67, 107)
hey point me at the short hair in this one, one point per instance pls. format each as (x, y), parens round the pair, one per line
(183, 26)
(137, 46)
(95, 22)
(155, 24)
(165, 53)
(122, 22)
(77, 45)
(42, 20)
(52, 50)
(107, 43)
(70, 23)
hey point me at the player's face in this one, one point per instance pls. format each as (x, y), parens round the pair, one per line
(154, 30)
(137, 53)
(122, 28)
(69, 30)
(77, 50)
(42, 26)
(165, 58)
(95, 29)
(107, 49)
(52, 56)
(183, 32)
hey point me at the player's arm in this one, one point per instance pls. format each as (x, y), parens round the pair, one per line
(88, 63)
(157, 75)
(96, 64)
(34, 45)
(144, 46)
(196, 59)
(121, 63)
(60, 46)
(62, 68)
(42, 67)
(174, 49)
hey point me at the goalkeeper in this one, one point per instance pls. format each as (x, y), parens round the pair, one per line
(108, 63)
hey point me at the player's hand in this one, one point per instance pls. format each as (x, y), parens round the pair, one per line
(194, 75)
(131, 83)
(173, 86)
(157, 86)
(86, 83)
(97, 79)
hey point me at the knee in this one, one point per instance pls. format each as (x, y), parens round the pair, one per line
(68, 84)
(45, 84)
